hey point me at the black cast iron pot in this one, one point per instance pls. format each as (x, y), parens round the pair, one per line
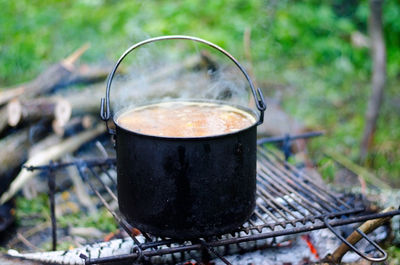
(186, 187)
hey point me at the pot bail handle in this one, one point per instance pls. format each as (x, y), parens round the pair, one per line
(105, 113)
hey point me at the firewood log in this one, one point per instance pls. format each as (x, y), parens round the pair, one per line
(86, 74)
(13, 151)
(45, 156)
(14, 148)
(124, 94)
(30, 189)
(46, 81)
(73, 126)
(367, 227)
(3, 119)
(19, 110)
(87, 100)
(43, 144)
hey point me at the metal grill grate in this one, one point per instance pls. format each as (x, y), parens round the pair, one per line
(288, 202)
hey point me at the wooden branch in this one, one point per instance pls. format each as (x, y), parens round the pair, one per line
(81, 191)
(73, 126)
(87, 100)
(378, 53)
(32, 231)
(62, 112)
(87, 74)
(71, 59)
(53, 153)
(47, 142)
(7, 94)
(3, 119)
(35, 109)
(27, 243)
(13, 151)
(357, 169)
(46, 81)
(354, 237)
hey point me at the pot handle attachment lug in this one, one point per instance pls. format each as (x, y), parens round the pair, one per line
(105, 112)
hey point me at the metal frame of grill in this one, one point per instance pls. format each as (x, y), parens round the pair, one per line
(288, 202)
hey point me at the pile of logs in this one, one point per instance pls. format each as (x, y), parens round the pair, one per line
(47, 118)
(33, 117)
(50, 117)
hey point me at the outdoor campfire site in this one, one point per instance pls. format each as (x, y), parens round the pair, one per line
(269, 134)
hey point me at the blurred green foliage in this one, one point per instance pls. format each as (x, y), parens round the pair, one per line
(303, 45)
(394, 255)
(33, 212)
(37, 210)
(102, 220)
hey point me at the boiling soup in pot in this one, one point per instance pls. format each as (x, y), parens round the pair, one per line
(185, 119)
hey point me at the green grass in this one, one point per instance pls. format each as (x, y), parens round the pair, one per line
(394, 255)
(35, 211)
(304, 45)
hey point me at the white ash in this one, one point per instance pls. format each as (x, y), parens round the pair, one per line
(323, 240)
(386, 198)
(71, 257)
(125, 246)
(294, 253)
(291, 249)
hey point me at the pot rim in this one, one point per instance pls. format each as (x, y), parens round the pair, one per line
(240, 107)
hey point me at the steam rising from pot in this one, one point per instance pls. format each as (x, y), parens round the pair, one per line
(178, 69)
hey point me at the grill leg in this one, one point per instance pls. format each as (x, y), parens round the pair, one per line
(52, 190)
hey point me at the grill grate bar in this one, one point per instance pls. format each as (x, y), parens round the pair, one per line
(237, 240)
(105, 170)
(297, 213)
(265, 210)
(316, 198)
(127, 227)
(102, 183)
(279, 213)
(270, 200)
(288, 202)
(310, 197)
(287, 191)
(274, 179)
(251, 223)
(290, 177)
(269, 153)
(283, 196)
(312, 219)
(260, 217)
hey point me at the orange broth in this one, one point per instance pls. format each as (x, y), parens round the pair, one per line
(185, 119)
